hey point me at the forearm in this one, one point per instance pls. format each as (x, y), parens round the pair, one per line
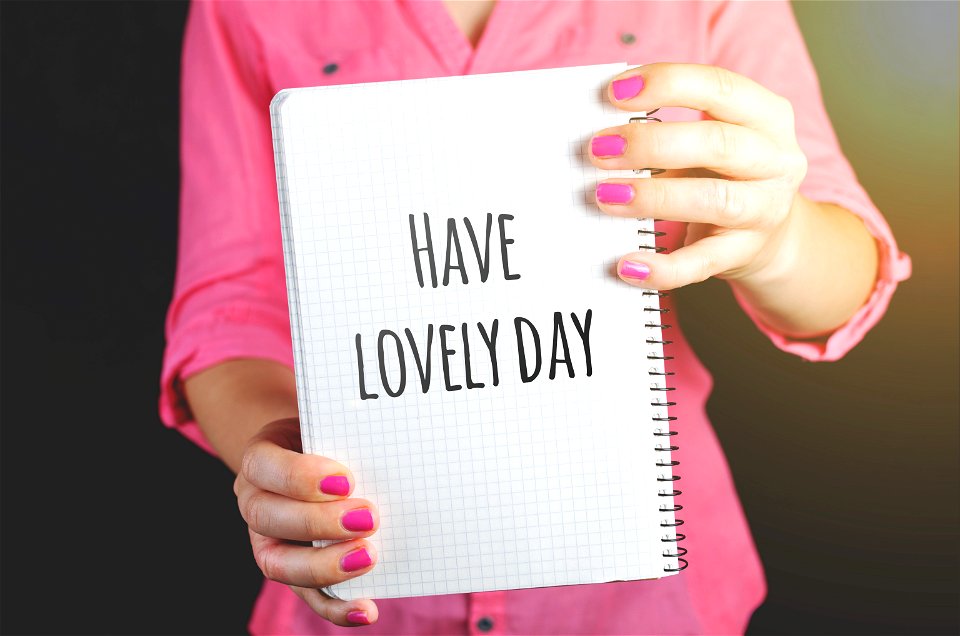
(233, 400)
(818, 276)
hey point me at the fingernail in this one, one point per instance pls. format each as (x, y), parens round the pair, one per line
(357, 617)
(356, 560)
(634, 270)
(614, 193)
(627, 87)
(335, 485)
(359, 520)
(608, 146)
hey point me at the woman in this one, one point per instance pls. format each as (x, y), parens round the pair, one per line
(758, 193)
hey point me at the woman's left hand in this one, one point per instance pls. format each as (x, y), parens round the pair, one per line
(733, 178)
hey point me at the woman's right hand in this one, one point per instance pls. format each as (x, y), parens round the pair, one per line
(288, 499)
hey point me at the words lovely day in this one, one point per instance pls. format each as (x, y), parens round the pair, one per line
(568, 344)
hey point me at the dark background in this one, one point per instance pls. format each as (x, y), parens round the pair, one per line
(111, 523)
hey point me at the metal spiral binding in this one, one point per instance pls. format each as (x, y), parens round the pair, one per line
(672, 537)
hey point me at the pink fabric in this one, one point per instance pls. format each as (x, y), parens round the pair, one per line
(230, 300)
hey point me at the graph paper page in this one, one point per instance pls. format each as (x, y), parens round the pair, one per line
(527, 480)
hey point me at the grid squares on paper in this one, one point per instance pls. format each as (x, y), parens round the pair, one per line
(550, 482)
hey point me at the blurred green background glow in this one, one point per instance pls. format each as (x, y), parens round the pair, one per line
(849, 470)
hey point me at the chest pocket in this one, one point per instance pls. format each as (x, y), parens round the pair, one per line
(291, 68)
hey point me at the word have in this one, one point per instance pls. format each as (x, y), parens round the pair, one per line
(455, 263)
(530, 359)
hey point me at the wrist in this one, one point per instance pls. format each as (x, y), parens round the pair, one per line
(817, 273)
(233, 400)
(776, 287)
(782, 256)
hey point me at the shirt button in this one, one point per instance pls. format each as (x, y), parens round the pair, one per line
(628, 38)
(331, 68)
(485, 624)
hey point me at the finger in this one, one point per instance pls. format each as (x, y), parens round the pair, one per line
(272, 462)
(281, 517)
(344, 613)
(722, 94)
(731, 150)
(307, 566)
(710, 256)
(731, 204)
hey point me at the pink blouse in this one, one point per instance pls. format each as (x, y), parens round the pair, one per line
(230, 300)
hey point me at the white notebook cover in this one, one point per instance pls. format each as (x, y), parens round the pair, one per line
(522, 484)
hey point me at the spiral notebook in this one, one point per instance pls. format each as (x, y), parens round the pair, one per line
(461, 340)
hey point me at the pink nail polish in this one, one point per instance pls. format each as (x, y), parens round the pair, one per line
(358, 617)
(608, 146)
(627, 87)
(356, 560)
(634, 270)
(359, 520)
(335, 485)
(619, 193)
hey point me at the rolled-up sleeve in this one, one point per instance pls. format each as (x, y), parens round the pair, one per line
(761, 40)
(229, 298)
